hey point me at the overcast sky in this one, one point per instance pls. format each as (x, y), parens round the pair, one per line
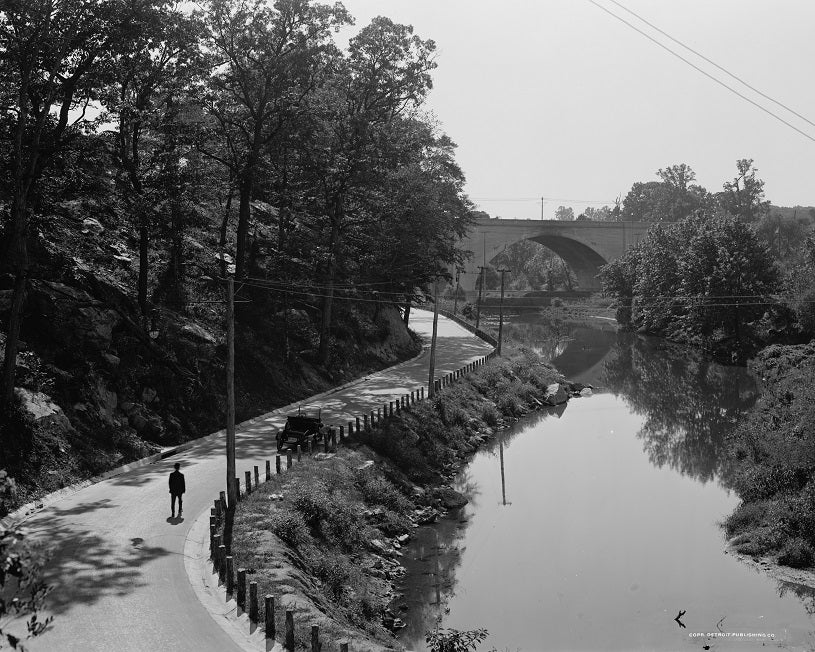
(558, 99)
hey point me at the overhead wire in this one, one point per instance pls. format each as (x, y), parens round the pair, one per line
(713, 63)
(704, 72)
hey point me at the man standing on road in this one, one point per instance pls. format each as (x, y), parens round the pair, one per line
(177, 489)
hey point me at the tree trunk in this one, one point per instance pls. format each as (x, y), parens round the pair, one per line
(18, 248)
(144, 260)
(328, 299)
(244, 215)
(406, 316)
(224, 228)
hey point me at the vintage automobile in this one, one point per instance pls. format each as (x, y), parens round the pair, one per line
(299, 429)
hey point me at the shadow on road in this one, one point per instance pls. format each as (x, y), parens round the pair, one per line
(91, 567)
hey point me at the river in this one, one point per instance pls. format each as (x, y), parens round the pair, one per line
(593, 525)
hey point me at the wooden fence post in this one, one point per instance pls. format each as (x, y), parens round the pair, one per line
(268, 613)
(342, 433)
(365, 417)
(223, 502)
(268, 470)
(248, 482)
(241, 598)
(299, 453)
(253, 601)
(222, 564)
(288, 458)
(257, 477)
(278, 469)
(230, 574)
(238, 489)
(216, 544)
(216, 510)
(289, 630)
(315, 638)
(358, 431)
(343, 647)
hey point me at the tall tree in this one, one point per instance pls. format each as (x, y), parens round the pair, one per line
(56, 56)
(564, 213)
(386, 74)
(744, 196)
(268, 59)
(152, 76)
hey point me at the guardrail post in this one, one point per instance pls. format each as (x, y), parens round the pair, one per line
(288, 458)
(277, 467)
(299, 453)
(222, 564)
(325, 443)
(268, 613)
(289, 630)
(241, 598)
(230, 574)
(253, 601)
(421, 391)
(216, 545)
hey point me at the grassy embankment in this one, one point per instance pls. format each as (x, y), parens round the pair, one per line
(325, 536)
(773, 449)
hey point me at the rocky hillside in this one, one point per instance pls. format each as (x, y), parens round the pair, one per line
(99, 386)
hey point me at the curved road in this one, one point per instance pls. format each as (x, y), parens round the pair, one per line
(118, 562)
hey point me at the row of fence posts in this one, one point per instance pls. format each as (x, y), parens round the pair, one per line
(223, 562)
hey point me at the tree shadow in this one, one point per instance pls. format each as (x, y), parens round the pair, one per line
(89, 567)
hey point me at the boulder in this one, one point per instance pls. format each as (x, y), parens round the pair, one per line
(91, 225)
(555, 394)
(450, 498)
(42, 409)
(107, 401)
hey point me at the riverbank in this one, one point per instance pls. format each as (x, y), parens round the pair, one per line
(773, 453)
(325, 536)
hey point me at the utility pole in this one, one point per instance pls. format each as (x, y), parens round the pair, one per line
(232, 498)
(455, 294)
(481, 269)
(431, 384)
(543, 204)
(501, 309)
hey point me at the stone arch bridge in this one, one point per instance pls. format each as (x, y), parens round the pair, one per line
(584, 245)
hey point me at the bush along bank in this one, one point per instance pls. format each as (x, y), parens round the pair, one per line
(772, 451)
(324, 536)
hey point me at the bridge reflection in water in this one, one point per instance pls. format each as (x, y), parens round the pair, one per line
(604, 522)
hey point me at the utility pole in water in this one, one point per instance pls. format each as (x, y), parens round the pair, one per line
(232, 497)
(431, 383)
(501, 310)
(481, 269)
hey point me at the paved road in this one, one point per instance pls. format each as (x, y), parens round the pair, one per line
(118, 561)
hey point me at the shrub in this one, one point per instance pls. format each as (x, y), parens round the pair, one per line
(332, 571)
(289, 527)
(342, 527)
(310, 499)
(796, 553)
(745, 517)
(489, 414)
(377, 490)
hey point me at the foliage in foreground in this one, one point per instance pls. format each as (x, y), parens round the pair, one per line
(453, 640)
(773, 453)
(21, 590)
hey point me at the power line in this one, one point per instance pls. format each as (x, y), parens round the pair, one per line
(705, 73)
(713, 63)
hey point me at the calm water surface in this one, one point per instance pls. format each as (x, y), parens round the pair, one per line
(604, 522)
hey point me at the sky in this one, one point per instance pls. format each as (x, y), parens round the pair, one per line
(559, 99)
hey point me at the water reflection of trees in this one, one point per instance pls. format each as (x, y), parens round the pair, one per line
(689, 402)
